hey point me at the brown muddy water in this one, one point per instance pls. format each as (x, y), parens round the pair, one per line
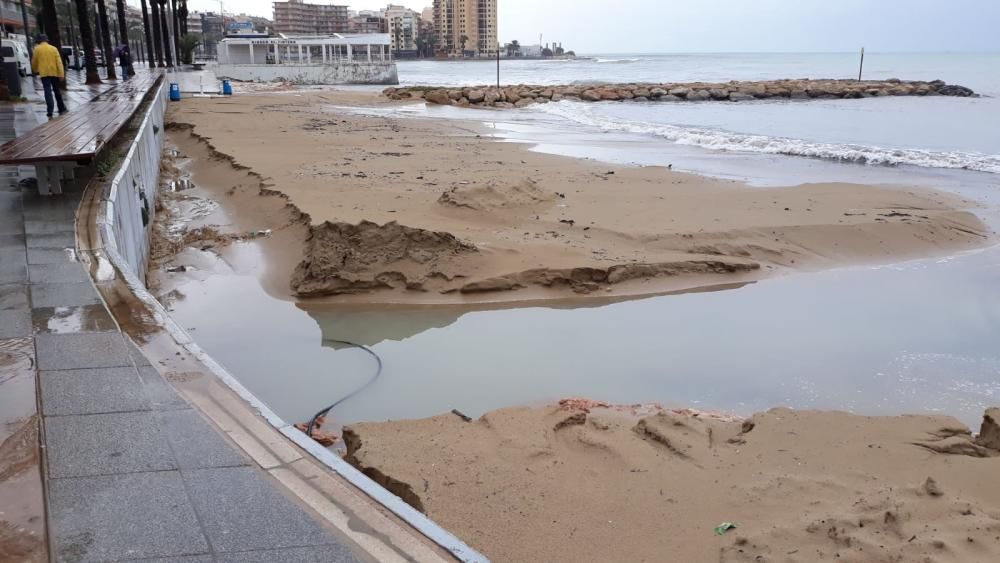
(921, 336)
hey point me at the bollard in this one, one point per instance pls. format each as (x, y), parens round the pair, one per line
(175, 92)
(227, 88)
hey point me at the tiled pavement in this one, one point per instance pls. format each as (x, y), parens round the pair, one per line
(132, 471)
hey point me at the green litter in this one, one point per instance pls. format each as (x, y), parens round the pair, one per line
(723, 528)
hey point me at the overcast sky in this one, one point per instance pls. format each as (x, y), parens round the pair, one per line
(648, 26)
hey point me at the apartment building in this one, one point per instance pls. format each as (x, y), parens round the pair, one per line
(296, 17)
(368, 21)
(404, 26)
(466, 28)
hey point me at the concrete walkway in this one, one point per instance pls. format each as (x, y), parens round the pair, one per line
(131, 471)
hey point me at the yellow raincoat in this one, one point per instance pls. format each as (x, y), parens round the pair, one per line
(46, 61)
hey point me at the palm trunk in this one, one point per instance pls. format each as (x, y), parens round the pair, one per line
(184, 17)
(165, 33)
(109, 63)
(177, 37)
(87, 39)
(123, 31)
(50, 23)
(157, 41)
(149, 38)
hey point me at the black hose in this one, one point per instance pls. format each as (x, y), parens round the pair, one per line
(378, 372)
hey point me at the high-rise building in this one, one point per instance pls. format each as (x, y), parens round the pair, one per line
(403, 25)
(297, 17)
(466, 28)
(367, 21)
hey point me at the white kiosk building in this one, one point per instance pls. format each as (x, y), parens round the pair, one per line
(313, 59)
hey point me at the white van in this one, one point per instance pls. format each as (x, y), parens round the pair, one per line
(14, 49)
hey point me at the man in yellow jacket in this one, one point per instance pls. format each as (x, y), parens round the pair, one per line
(47, 63)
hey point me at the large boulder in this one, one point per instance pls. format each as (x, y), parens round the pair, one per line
(590, 96)
(524, 102)
(954, 90)
(670, 98)
(740, 97)
(718, 93)
(476, 96)
(699, 96)
(680, 91)
(491, 97)
(503, 105)
(511, 95)
(643, 92)
(455, 94)
(439, 97)
(609, 94)
(657, 92)
(799, 95)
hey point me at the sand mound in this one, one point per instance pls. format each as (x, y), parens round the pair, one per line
(345, 258)
(581, 482)
(495, 194)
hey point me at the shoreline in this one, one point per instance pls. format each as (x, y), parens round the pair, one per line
(525, 239)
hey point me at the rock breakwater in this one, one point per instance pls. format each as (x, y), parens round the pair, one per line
(733, 91)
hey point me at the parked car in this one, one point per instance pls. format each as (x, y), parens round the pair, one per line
(15, 50)
(98, 57)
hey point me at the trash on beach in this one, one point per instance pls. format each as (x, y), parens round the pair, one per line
(261, 233)
(723, 528)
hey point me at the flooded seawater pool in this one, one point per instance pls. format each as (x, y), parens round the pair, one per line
(915, 337)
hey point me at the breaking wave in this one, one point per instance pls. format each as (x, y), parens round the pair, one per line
(616, 61)
(715, 139)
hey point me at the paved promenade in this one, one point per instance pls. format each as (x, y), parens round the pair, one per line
(132, 472)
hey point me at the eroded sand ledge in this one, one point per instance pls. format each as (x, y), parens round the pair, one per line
(564, 484)
(419, 211)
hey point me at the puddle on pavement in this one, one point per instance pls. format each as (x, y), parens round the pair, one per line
(22, 516)
(57, 320)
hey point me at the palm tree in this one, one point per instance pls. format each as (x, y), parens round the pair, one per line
(187, 44)
(463, 40)
(516, 47)
(168, 49)
(105, 39)
(155, 24)
(50, 22)
(177, 35)
(149, 38)
(87, 39)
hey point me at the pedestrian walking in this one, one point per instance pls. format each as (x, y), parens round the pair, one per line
(124, 59)
(46, 62)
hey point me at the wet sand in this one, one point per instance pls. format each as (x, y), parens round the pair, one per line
(564, 484)
(418, 211)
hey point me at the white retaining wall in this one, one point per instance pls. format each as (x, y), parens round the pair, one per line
(349, 73)
(127, 206)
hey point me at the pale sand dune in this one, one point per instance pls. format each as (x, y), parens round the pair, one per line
(558, 484)
(415, 210)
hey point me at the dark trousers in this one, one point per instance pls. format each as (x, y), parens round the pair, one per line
(51, 86)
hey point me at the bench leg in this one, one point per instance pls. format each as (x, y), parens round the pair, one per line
(42, 173)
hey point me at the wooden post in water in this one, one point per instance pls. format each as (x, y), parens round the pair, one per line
(862, 65)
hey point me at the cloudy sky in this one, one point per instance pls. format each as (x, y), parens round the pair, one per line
(647, 26)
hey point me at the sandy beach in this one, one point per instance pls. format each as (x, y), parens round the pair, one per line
(582, 483)
(402, 210)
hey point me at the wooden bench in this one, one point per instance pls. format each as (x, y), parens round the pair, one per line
(57, 147)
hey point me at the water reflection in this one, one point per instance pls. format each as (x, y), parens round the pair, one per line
(915, 337)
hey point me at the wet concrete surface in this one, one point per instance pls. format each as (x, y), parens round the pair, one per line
(22, 521)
